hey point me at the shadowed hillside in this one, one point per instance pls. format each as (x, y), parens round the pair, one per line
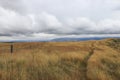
(85, 60)
(114, 43)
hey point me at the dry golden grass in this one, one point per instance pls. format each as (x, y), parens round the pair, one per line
(87, 60)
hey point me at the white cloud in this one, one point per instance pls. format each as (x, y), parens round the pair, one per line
(47, 23)
(15, 5)
(44, 18)
(12, 22)
(109, 26)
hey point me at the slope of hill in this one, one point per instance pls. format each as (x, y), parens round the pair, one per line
(114, 43)
(85, 60)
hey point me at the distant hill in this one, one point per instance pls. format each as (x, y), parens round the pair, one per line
(79, 39)
(61, 39)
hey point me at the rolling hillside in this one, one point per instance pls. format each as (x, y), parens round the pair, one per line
(84, 60)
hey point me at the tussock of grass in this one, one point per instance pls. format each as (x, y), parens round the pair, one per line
(114, 43)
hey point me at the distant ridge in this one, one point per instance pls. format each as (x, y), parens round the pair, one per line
(62, 39)
(80, 39)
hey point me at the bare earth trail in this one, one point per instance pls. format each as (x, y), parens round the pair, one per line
(85, 62)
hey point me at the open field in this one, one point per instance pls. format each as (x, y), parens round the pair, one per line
(85, 60)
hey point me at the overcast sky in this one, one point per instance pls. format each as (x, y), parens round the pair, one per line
(43, 19)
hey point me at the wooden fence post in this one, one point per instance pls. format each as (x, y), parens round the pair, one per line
(11, 48)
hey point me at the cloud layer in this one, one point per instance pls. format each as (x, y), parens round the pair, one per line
(19, 18)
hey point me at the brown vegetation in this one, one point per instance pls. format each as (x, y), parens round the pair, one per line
(87, 60)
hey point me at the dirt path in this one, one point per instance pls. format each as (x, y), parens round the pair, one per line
(85, 62)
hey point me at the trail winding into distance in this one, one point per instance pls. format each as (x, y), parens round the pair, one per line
(85, 62)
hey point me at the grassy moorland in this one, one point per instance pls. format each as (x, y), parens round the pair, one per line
(87, 60)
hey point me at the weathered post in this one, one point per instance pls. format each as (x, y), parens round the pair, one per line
(11, 48)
